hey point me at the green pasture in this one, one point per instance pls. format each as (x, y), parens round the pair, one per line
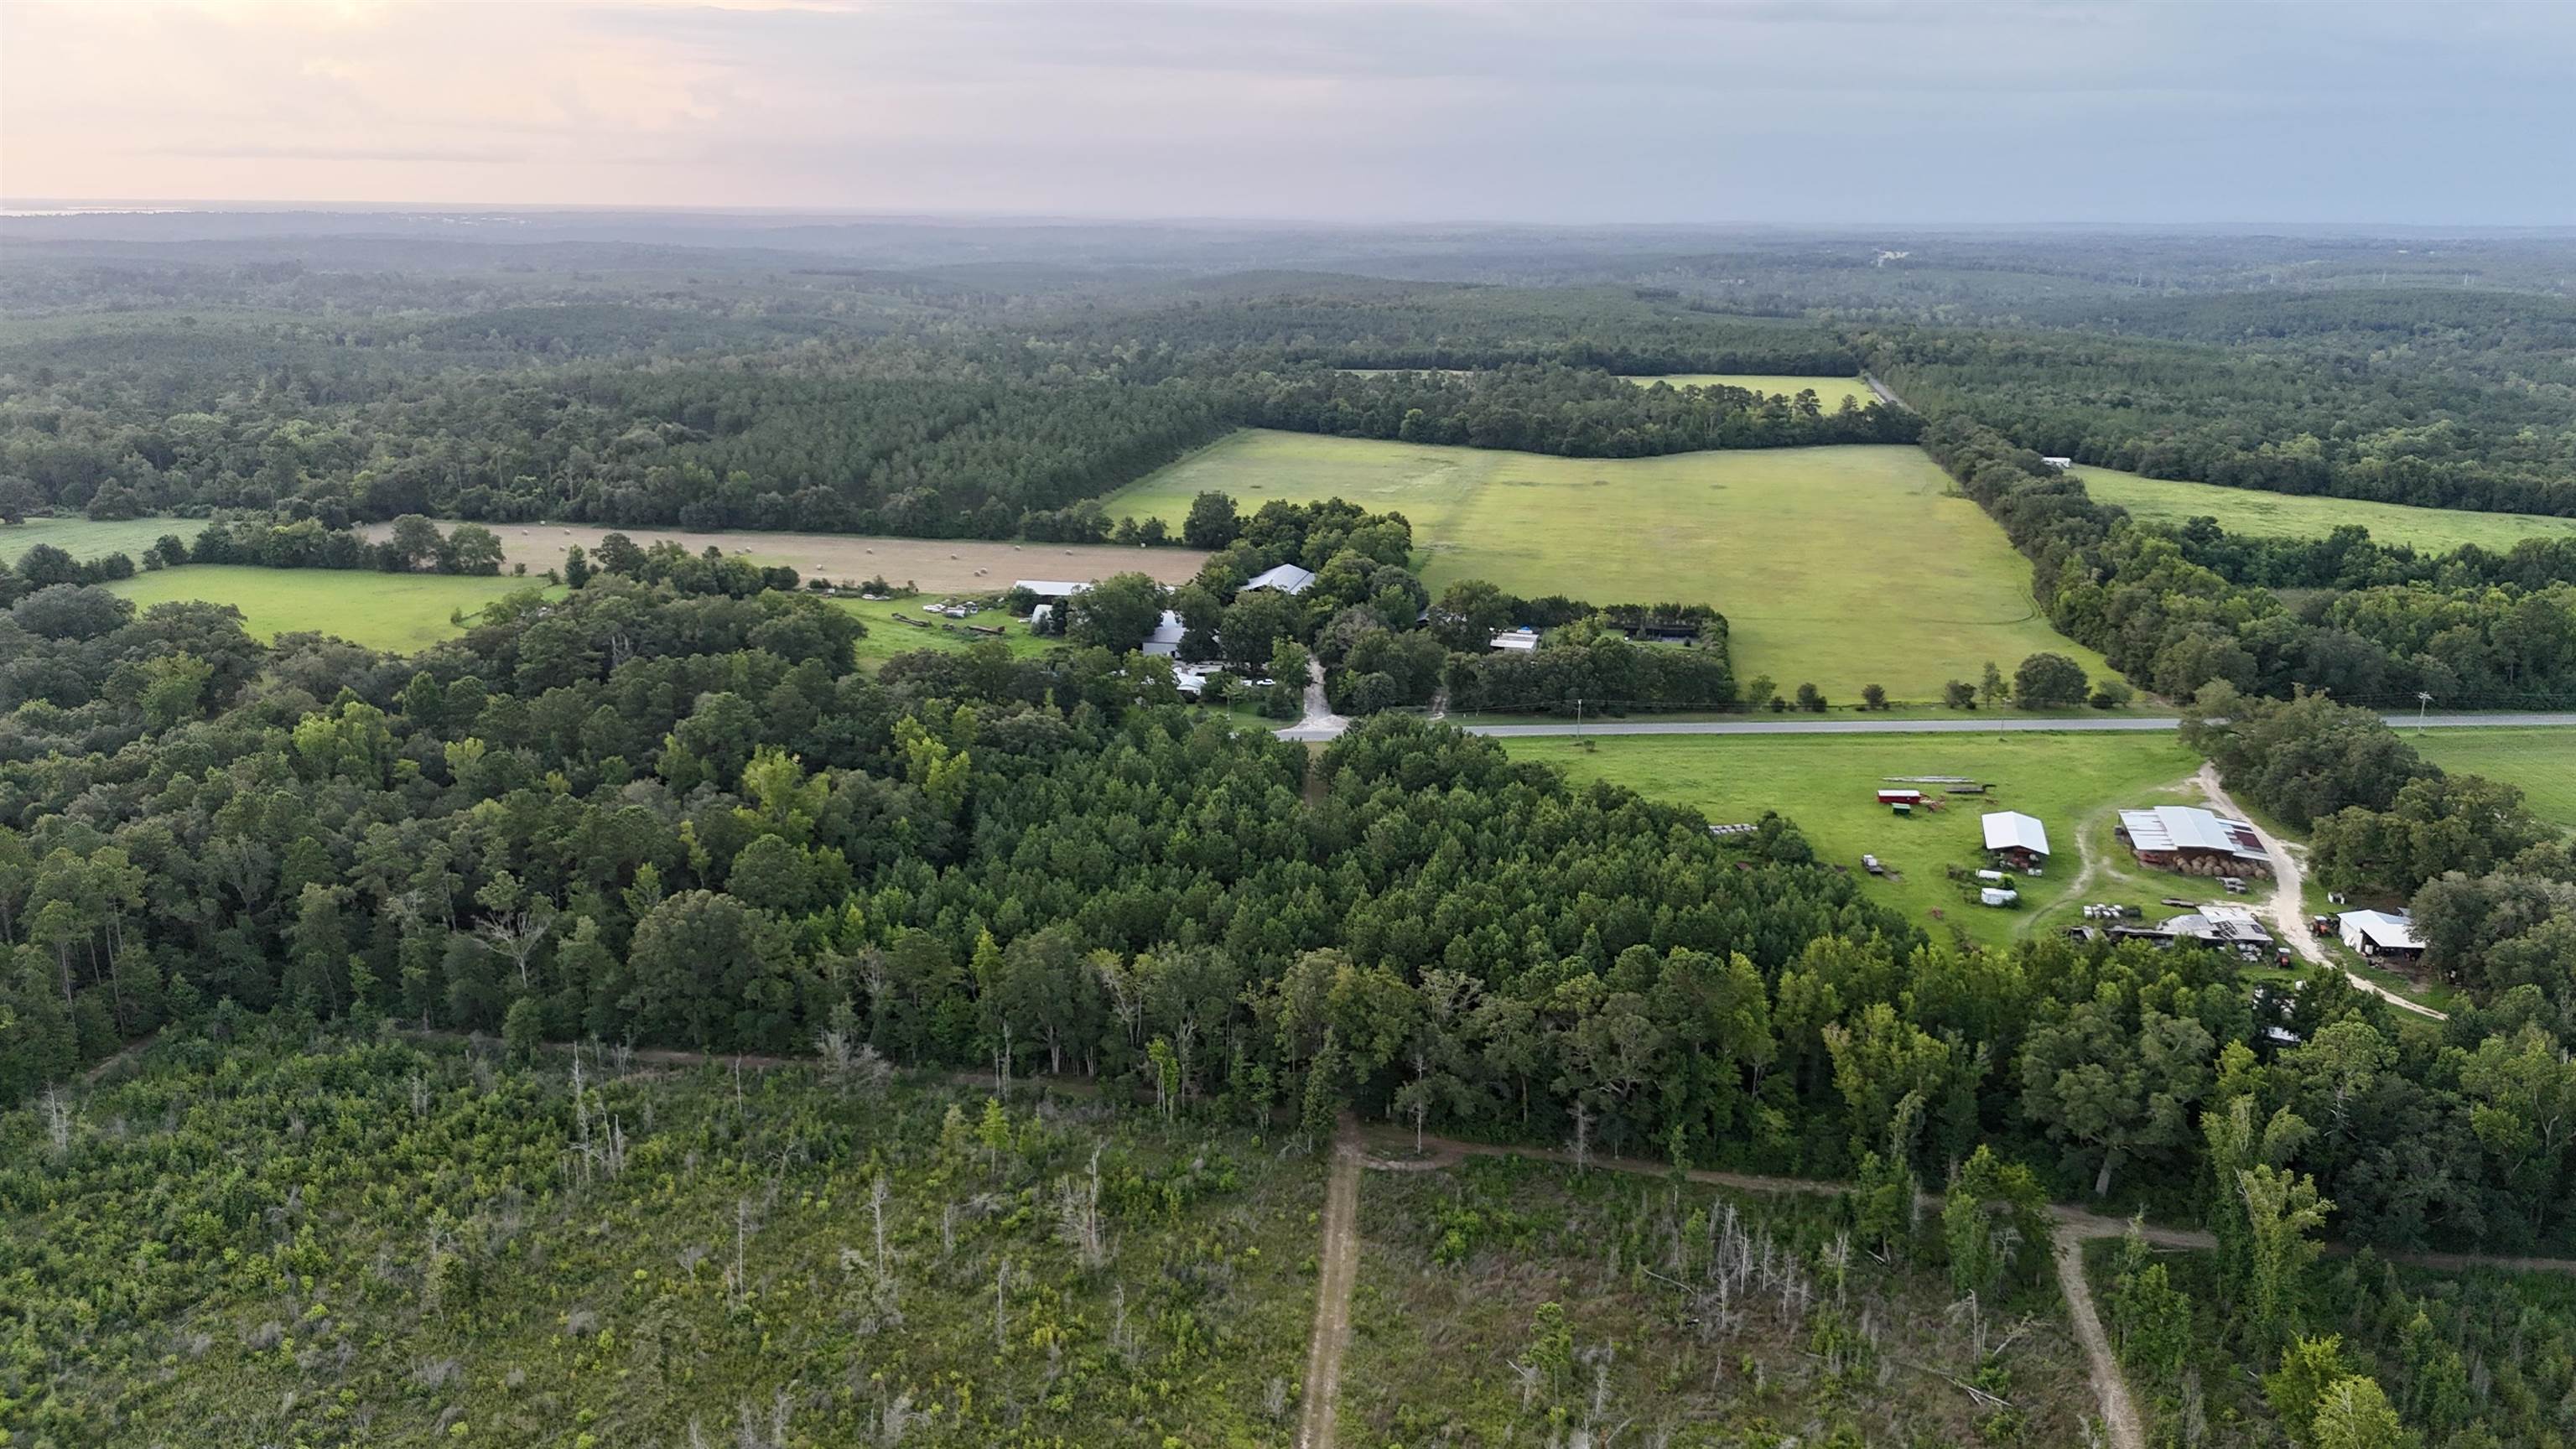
(2283, 515)
(2540, 760)
(399, 612)
(1830, 391)
(1843, 566)
(892, 630)
(85, 540)
(1827, 784)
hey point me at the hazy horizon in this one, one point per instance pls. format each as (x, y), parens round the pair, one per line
(1756, 114)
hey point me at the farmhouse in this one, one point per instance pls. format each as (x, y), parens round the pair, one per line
(1287, 579)
(2020, 840)
(2193, 841)
(2382, 935)
(1166, 638)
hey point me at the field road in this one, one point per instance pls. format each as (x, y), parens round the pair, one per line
(1324, 729)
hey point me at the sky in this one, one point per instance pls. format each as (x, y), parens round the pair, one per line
(1767, 111)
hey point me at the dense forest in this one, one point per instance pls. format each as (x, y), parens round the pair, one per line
(689, 821)
(2446, 402)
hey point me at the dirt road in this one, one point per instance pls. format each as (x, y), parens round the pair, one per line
(2288, 907)
(2119, 1415)
(1336, 1270)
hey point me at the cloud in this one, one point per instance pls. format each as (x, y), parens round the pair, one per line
(1800, 110)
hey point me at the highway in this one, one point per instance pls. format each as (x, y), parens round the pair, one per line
(1315, 729)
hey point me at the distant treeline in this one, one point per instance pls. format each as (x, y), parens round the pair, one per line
(2446, 400)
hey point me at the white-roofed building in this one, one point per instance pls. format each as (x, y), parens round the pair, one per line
(1055, 589)
(1287, 579)
(1516, 641)
(2190, 839)
(2389, 934)
(1166, 638)
(2017, 837)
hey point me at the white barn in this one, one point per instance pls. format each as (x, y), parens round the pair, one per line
(2011, 833)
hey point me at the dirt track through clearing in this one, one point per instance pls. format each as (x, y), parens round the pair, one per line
(1336, 1271)
(2119, 1415)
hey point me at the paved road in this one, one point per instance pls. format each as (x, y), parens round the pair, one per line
(1330, 727)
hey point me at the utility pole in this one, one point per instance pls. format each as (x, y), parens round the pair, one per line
(1578, 716)
(2423, 702)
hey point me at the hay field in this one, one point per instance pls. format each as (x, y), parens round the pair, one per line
(1830, 391)
(2282, 515)
(933, 564)
(1844, 566)
(85, 540)
(400, 612)
(2540, 760)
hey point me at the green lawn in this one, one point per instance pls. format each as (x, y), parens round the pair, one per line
(85, 540)
(1845, 566)
(888, 638)
(1829, 390)
(1828, 784)
(2283, 515)
(2541, 761)
(400, 612)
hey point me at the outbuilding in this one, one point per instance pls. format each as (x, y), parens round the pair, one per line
(1286, 578)
(1166, 638)
(1900, 797)
(1516, 641)
(2381, 935)
(2017, 839)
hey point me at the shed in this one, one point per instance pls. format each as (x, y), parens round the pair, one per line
(2388, 935)
(1998, 896)
(2057, 461)
(1516, 641)
(2018, 837)
(1286, 578)
(1900, 797)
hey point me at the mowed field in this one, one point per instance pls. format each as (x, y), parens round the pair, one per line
(899, 626)
(2283, 515)
(1827, 784)
(926, 563)
(1830, 391)
(2541, 761)
(1843, 566)
(400, 612)
(85, 540)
